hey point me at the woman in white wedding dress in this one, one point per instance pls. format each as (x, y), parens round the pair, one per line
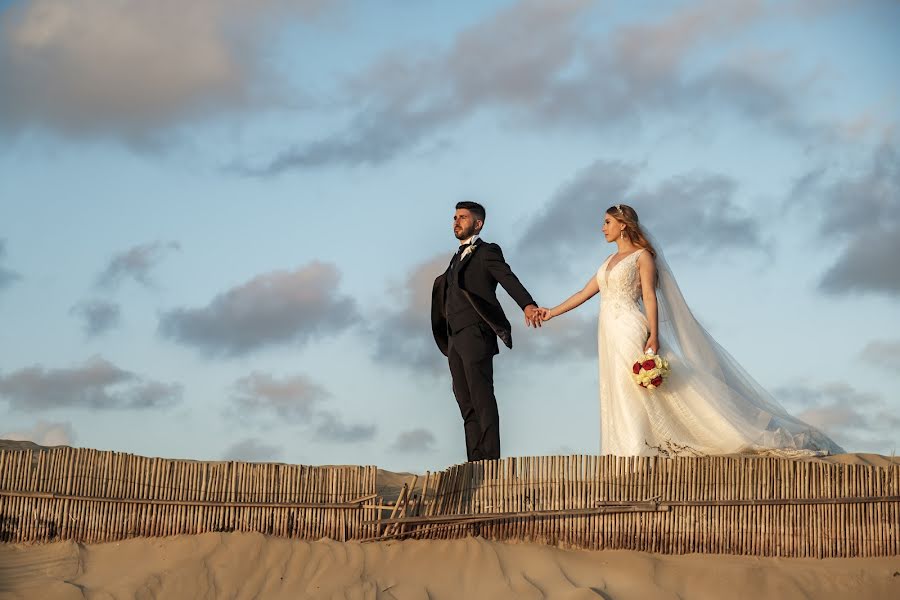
(709, 404)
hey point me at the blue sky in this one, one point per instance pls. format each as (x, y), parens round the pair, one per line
(219, 225)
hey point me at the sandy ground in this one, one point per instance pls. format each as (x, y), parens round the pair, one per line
(250, 565)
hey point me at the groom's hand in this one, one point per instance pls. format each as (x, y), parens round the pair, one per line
(532, 316)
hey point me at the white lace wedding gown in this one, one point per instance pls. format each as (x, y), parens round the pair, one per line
(709, 404)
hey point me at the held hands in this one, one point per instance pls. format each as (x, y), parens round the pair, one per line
(532, 316)
(535, 316)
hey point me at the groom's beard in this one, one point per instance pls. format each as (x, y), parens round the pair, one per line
(464, 234)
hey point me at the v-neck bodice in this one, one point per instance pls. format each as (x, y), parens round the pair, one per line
(621, 283)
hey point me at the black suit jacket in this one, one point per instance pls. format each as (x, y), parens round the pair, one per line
(478, 275)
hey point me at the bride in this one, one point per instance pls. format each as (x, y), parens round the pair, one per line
(709, 404)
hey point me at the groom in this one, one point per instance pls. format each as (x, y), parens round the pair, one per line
(467, 319)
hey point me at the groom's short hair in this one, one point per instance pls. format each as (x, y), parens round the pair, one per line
(474, 208)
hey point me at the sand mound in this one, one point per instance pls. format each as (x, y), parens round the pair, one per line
(249, 565)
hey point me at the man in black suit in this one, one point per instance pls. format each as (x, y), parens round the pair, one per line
(467, 319)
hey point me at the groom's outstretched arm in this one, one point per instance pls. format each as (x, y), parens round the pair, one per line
(499, 270)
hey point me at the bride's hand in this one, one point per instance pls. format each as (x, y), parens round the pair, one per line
(545, 314)
(652, 344)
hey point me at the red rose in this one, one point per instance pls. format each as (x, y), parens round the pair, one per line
(636, 368)
(648, 365)
(657, 381)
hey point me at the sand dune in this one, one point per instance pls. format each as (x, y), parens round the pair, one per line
(860, 458)
(249, 565)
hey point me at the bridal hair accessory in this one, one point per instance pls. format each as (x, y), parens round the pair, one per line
(650, 370)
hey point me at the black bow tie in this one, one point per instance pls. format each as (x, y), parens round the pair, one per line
(462, 248)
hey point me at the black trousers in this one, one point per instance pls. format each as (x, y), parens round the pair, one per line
(471, 357)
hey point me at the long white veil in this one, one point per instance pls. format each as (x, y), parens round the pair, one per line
(738, 398)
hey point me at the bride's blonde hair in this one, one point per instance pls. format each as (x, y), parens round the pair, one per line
(633, 231)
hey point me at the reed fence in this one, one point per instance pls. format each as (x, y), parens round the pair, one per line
(763, 506)
(97, 496)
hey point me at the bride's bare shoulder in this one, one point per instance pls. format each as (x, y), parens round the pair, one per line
(646, 258)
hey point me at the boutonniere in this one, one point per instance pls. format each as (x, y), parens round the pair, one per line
(467, 252)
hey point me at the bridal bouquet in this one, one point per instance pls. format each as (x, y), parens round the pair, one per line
(650, 371)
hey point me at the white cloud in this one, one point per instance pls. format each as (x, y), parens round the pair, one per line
(402, 333)
(860, 209)
(295, 400)
(135, 263)
(274, 308)
(414, 440)
(292, 399)
(44, 433)
(510, 57)
(252, 450)
(128, 67)
(858, 421)
(332, 428)
(705, 204)
(538, 64)
(99, 316)
(882, 354)
(97, 384)
(868, 264)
